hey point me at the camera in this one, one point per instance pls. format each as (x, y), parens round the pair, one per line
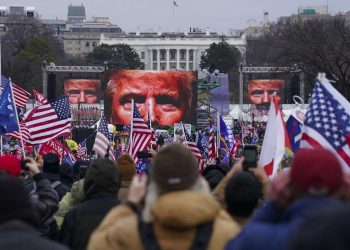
(144, 154)
(250, 153)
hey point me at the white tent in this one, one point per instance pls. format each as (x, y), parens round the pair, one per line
(236, 112)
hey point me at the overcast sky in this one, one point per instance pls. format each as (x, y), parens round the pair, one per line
(219, 15)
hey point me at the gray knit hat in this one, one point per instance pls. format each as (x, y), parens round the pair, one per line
(174, 168)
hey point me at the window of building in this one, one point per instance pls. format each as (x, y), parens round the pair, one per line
(142, 55)
(172, 54)
(183, 54)
(94, 44)
(162, 55)
(87, 44)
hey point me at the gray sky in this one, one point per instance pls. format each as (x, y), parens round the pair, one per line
(219, 15)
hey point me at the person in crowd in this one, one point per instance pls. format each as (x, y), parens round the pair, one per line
(160, 141)
(43, 198)
(165, 95)
(179, 211)
(18, 219)
(241, 192)
(323, 230)
(127, 169)
(101, 186)
(51, 169)
(313, 183)
(82, 90)
(261, 91)
(76, 194)
(214, 173)
(66, 175)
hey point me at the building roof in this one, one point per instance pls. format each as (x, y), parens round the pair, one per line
(76, 10)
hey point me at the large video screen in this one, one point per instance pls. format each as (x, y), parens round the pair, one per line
(167, 96)
(260, 91)
(83, 91)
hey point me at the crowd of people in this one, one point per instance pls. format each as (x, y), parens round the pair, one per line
(103, 204)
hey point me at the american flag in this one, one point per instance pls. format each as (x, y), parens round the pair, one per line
(24, 131)
(81, 153)
(141, 135)
(21, 96)
(327, 121)
(193, 147)
(49, 121)
(103, 139)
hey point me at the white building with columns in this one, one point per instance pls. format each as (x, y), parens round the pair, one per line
(172, 50)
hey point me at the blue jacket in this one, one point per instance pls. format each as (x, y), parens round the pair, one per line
(272, 227)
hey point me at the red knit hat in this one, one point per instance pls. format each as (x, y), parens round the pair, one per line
(316, 171)
(10, 164)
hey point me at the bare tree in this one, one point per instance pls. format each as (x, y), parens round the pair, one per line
(318, 45)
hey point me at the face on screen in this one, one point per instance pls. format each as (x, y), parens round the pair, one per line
(165, 95)
(82, 90)
(261, 91)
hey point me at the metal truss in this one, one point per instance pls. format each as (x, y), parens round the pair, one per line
(88, 69)
(271, 69)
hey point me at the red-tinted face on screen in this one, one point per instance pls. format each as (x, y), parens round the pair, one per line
(82, 90)
(261, 91)
(165, 96)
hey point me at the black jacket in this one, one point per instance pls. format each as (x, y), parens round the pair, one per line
(82, 220)
(101, 186)
(60, 188)
(23, 237)
(45, 203)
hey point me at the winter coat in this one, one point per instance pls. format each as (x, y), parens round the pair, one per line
(45, 203)
(71, 199)
(60, 188)
(101, 185)
(176, 217)
(20, 236)
(83, 219)
(272, 227)
(76, 196)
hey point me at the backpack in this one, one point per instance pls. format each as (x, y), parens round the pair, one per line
(150, 242)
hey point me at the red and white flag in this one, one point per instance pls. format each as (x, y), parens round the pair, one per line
(39, 98)
(24, 132)
(211, 148)
(49, 121)
(21, 96)
(275, 141)
(141, 135)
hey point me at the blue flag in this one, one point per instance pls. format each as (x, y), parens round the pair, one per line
(8, 119)
(294, 132)
(224, 141)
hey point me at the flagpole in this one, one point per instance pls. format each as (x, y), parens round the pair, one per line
(149, 116)
(184, 129)
(1, 144)
(131, 127)
(19, 127)
(217, 134)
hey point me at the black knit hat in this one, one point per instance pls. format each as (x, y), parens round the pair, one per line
(51, 163)
(14, 201)
(174, 168)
